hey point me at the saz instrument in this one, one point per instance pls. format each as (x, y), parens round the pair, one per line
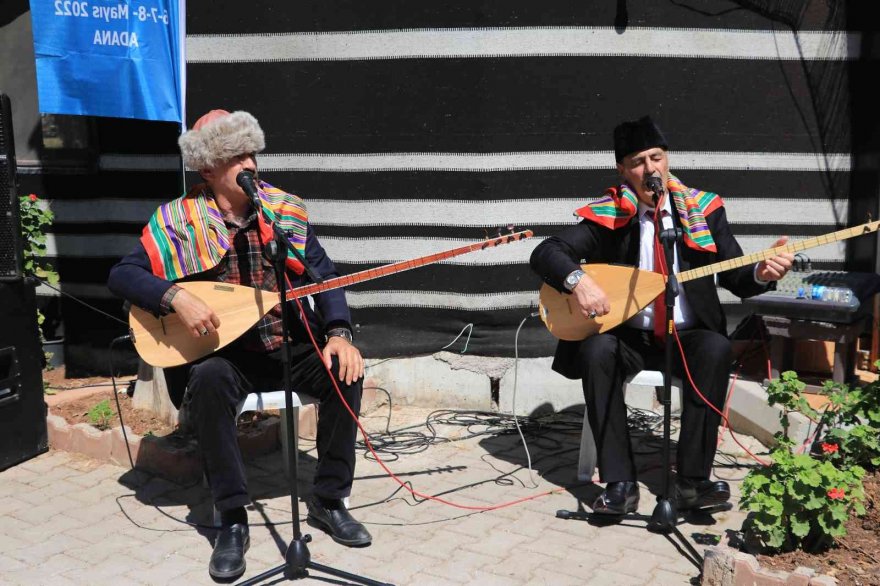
(165, 341)
(629, 290)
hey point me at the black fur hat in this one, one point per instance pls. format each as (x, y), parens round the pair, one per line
(637, 135)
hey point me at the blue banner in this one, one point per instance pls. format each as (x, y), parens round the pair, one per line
(121, 58)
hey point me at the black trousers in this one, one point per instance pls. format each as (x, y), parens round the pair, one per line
(216, 384)
(608, 358)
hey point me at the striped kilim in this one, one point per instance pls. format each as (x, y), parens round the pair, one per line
(619, 204)
(187, 235)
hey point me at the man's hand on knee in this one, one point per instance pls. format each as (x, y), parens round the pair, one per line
(351, 364)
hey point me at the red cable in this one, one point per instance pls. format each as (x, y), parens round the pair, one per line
(382, 463)
(705, 400)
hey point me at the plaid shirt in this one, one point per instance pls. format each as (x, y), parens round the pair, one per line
(244, 264)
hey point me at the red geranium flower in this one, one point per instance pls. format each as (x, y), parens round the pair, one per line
(829, 448)
(836, 494)
(33, 197)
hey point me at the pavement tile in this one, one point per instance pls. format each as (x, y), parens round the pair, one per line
(44, 552)
(664, 578)
(8, 564)
(442, 544)
(498, 543)
(480, 578)
(73, 527)
(167, 572)
(517, 563)
(461, 567)
(602, 577)
(549, 578)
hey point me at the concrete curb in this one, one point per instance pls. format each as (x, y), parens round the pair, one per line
(725, 566)
(169, 457)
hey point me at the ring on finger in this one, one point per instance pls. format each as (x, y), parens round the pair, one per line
(593, 315)
(204, 331)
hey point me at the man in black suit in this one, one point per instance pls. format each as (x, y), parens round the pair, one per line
(619, 228)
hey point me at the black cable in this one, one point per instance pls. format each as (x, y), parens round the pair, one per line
(78, 300)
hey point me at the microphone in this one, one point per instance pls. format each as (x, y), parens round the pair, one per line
(245, 180)
(653, 183)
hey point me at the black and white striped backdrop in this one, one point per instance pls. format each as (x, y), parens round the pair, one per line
(410, 128)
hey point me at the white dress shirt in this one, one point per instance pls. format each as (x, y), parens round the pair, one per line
(644, 320)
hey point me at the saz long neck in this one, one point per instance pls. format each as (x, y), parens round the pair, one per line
(405, 265)
(735, 263)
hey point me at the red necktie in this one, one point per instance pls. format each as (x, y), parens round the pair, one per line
(659, 267)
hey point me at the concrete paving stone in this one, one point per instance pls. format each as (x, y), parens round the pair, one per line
(45, 549)
(550, 543)
(442, 545)
(497, 542)
(530, 523)
(172, 543)
(44, 462)
(18, 473)
(39, 496)
(109, 570)
(678, 564)
(664, 578)
(645, 565)
(107, 529)
(12, 488)
(461, 567)
(55, 475)
(33, 576)
(480, 525)
(106, 509)
(59, 523)
(10, 504)
(515, 562)
(11, 525)
(37, 515)
(167, 572)
(578, 565)
(548, 578)
(400, 568)
(156, 487)
(105, 491)
(115, 545)
(480, 578)
(9, 564)
(602, 577)
(97, 475)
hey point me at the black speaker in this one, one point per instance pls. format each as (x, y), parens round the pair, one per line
(10, 228)
(22, 409)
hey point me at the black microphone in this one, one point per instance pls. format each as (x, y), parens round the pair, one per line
(655, 184)
(245, 180)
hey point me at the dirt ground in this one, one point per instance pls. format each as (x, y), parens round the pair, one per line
(856, 559)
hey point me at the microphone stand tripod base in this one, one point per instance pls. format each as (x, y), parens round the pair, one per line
(297, 558)
(663, 518)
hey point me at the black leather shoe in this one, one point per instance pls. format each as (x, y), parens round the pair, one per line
(227, 561)
(332, 516)
(618, 498)
(698, 494)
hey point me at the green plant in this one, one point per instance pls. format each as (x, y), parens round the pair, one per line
(36, 218)
(800, 501)
(100, 414)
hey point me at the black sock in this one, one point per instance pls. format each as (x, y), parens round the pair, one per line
(233, 516)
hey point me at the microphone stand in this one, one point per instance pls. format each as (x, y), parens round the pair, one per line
(664, 518)
(297, 559)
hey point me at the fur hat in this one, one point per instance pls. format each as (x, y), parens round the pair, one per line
(219, 136)
(637, 135)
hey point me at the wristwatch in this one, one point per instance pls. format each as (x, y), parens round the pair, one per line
(573, 279)
(340, 333)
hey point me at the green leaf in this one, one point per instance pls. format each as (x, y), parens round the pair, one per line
(800, 527)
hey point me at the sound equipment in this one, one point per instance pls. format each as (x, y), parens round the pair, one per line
(166, 341)
(827, 296)
(10, 231)
(22, 409)
(629, 290)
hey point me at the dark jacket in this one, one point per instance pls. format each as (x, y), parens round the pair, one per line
(588, 242)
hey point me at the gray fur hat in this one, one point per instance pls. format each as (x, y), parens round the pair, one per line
(219, 136)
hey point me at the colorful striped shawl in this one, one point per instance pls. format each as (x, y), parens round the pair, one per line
(187, 235)
(619, 204)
